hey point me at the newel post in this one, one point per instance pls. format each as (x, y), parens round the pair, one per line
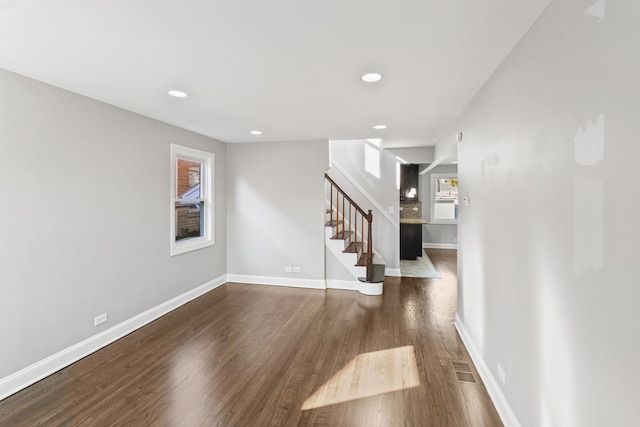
(369, 240)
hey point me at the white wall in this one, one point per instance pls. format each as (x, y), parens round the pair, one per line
(276, 208)
(435, 234)
(349, 154)
(414, 154)
(548, 255)
(85, 219)
(335, 270)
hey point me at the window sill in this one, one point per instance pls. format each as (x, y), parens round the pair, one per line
(190, 246)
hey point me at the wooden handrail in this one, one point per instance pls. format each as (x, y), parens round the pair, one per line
(352, 224)
(369, 216)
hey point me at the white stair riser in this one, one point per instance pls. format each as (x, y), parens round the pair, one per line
(348, 260)
(377, 259)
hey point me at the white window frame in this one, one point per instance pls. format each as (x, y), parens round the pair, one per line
(206, 197)
(432, 198)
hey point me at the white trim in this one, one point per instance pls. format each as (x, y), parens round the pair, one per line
(353, 182)
(439, 245)
(277, 281)
(356, 285)
(498, 398)
(348, 285)
(39, 370)
(370, 288)
(207, 184)
(393, 272)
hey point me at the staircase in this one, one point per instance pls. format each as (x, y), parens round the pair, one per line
(348, 235)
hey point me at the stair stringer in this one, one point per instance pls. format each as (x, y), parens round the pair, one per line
(349, 261)
(377, 259)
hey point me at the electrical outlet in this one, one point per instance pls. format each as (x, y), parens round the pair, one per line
(100, 319)
(296, 269)
(391, 210)
(288, 269)
(502, 375)
(455, 240)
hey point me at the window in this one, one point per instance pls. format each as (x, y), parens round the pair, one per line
(191, 199)
(444, 198)
(372, 157)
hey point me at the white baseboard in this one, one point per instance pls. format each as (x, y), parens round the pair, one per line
(439, 245)
(349, 285)
(39, 370)
(277, 281)
(393, 272)
(356, 285)
(505, 412)
(370, 288)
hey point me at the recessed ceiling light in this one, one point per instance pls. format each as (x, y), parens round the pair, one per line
(178, 93)
(380, 127)
(371, 77)
(454, 162)
(256, 132)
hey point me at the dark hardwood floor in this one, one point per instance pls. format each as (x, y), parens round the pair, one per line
(247, 355)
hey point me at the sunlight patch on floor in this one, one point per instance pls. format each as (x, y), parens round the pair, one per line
(368, 374)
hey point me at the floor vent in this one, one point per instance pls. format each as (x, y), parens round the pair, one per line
(463, 371)
(466, 377)
(461, 366)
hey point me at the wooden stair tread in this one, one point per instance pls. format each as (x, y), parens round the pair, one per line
(332, 223)
(343, 235)
(354, 247)
(362, 262)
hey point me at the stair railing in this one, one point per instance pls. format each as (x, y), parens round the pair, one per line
(351, 215)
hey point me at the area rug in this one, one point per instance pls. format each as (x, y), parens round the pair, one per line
(422, 268)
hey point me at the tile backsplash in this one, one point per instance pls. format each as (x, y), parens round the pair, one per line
(410, 209)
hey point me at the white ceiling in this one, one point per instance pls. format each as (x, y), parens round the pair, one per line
(290, 68)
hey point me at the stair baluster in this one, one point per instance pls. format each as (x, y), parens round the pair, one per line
(364, 247)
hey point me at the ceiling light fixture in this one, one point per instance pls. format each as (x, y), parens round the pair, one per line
(177, 93)
(256, 132)
(371, 77)
(380, 127)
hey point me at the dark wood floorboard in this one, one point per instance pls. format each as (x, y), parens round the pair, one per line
(247, 355)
